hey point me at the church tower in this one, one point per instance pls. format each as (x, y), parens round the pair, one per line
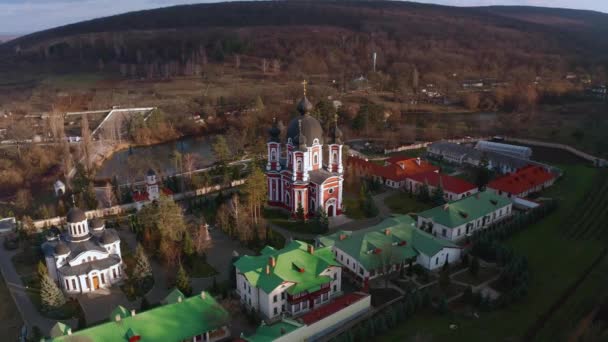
(300, 178)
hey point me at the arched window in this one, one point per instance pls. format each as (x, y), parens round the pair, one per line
(335, 158)
(315, 159)
(299, 165)
(273, 155)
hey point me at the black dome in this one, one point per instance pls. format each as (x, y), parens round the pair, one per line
(311, 129)
(108, 238)
(96, 223)
(76, 215)
(151, 172)
(61, 248)
(304, 106)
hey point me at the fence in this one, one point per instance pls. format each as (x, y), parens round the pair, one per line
(119, 209)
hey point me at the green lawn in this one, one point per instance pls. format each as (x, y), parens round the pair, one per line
(555, 263)
(10, 319)
(403, 203)
(282, 219)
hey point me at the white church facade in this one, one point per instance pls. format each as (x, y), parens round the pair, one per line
(84, 258)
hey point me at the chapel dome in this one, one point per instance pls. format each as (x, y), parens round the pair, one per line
(311, 128)
(108, 238)
(76, 215)
(97, 223)
(61, 248)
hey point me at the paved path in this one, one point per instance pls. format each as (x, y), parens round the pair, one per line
(27, 309)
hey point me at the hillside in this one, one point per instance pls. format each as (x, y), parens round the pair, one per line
(329, 37)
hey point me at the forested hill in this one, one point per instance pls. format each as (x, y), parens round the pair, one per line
(327, 36)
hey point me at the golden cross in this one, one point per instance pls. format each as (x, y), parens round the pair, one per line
(304, 83)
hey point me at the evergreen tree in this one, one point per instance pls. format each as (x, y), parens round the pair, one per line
(142, 268)
(437, 197)
(50, 295)
(41, 271)
(423, 194)
(300, 213)
(182, 281)
(323, 219)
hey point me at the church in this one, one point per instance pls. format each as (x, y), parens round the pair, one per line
(86, 257)
(297, 172)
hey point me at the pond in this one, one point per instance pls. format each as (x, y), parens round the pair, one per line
(130, 165)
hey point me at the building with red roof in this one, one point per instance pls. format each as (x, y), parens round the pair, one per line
(523, 182)
(453, 188)
(395, 170)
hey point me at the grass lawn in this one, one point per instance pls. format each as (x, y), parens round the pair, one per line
(353, 207)
(402, 203)
(283, 220)
(555, 263)
(10, 319)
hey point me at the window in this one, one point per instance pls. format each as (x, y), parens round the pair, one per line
(331, 191)
(361, 270)
(335, 158)
(276, 311)
(67, 284)
(282, 307)
(348, 261)
(341, 257)
(274, 298)
(273, 155)
(305, 305)
(103, 278)
(335, 276)
(299, 165)
(249, 289)
(114, 273)
(296, 307)
(335, 288)
(318, 300)
(88, 282)
(458, 232)
(325, 296)
(443, 232)
(74, 284)
(437, 261)
(315, 159)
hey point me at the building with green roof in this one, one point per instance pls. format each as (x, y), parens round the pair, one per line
(457, 219)
(388, 246)
(291, 281)
(198, 318)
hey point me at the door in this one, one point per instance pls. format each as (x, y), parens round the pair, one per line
(95, 282)
(330, 210)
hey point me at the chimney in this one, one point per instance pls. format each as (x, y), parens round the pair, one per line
(446, 207)
(203, 295)
(387, 232)
(132, 312)
(117, 318)
(311, 249)
(418, 161)
(272, 262)
(267, 269)
(342, 236)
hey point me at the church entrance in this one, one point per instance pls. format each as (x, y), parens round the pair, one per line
(95, 282)
(330, 210)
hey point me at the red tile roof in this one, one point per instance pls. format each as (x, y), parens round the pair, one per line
(448, 183)
(331, 308)
(399, 168)
(523, 180)
(140, 196)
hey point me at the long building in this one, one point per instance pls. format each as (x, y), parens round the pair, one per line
(289, 281)
(197, 318)
(466, 155)
(457, 219)
(523, 182)
(388, 247)
(453, 187)
(523, 152)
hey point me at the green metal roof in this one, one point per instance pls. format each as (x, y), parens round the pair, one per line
(268, 333)
(372, 247)
(459, 212)
(293, 264)
(171, 322)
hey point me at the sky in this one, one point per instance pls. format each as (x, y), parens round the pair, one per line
(25, 16)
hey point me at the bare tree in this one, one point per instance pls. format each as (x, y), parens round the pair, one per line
(56, 126)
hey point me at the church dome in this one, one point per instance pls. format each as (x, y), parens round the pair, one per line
(150, 173)
(311, 128)
(304, 106)
(97, 223)
(61, 248)
(108, 238)
(76, 215)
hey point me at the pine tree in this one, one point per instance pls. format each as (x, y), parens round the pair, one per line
(41, 271)
(50, 295)
(182, 281)
(142, 267)
(300, 213)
